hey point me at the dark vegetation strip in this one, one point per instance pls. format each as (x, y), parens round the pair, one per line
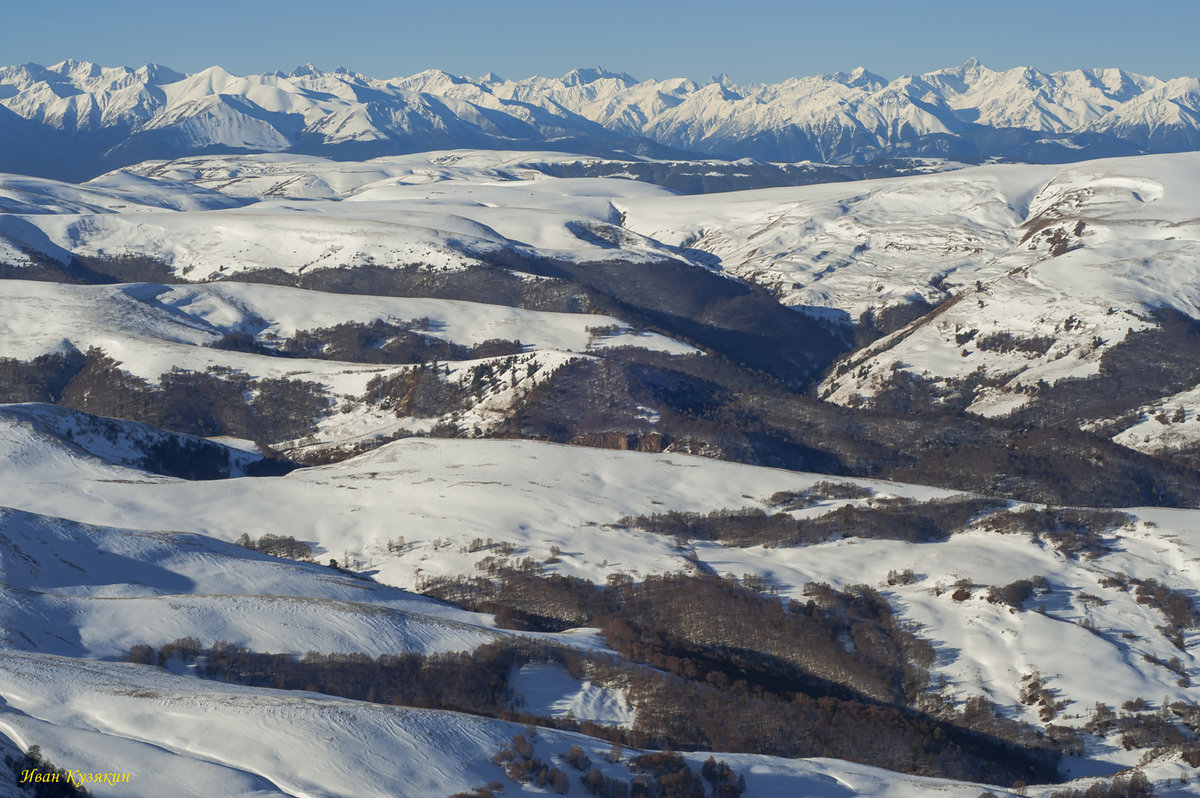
(915, 522)
(493, 286)
(754, 673)
(689, 177)
(1076, 532)
(378, 342)
(672, 711)
(743, 400)
(713, 406)
(217, 401)
(89, 270)
(664, 774)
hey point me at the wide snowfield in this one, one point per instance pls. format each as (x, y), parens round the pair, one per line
(97, 555)
(149, 328)
(1086, 640)
(293, 213)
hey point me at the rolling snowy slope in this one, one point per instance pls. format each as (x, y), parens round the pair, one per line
(982, 297)
(847, 248)
(150, 330)
(191, 737)
(1103, 249)
(1033, 274)
(439, 496)
(305, 213)
(151, 327)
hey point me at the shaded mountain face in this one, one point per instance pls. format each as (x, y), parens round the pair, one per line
(74, 120)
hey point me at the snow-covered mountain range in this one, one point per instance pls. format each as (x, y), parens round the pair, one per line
(77, 119)
(919, 453)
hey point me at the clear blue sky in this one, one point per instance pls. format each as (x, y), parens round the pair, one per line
(755, 41)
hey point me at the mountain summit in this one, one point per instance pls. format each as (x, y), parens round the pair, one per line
(76, 119)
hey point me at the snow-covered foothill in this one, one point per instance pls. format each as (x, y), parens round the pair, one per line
(126, 443)
(1104, 246)
(188, 737)
(299, 213)
(453, 501)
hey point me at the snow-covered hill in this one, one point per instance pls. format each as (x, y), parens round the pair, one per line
(91, 591)
(78, 589)
(220, 217)
(1036, 272)
(1099, 251)
(439, 496)
(1017, 275)
(113, 116)
(149, 330)
(198, 738)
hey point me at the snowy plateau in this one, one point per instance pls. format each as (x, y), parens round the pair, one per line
(440, 436)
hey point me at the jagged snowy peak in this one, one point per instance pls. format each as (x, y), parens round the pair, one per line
(80, 96)
(859, 78)
(1165, 116)
(119, 115)
(1026, 98)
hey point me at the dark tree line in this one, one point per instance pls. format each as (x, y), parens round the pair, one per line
(715, 406)
(495, 286)
(1076, 532)
(753, 673)
(476, 682)
(277, 546)
(916, 522)
(217, 401)
(377, 342)
(1133, 786)
(717, 631)
(672, 711)
(420, 392)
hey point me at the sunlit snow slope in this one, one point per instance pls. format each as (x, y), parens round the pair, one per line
(1016, 275)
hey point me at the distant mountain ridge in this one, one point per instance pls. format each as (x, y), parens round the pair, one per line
(75, 119)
